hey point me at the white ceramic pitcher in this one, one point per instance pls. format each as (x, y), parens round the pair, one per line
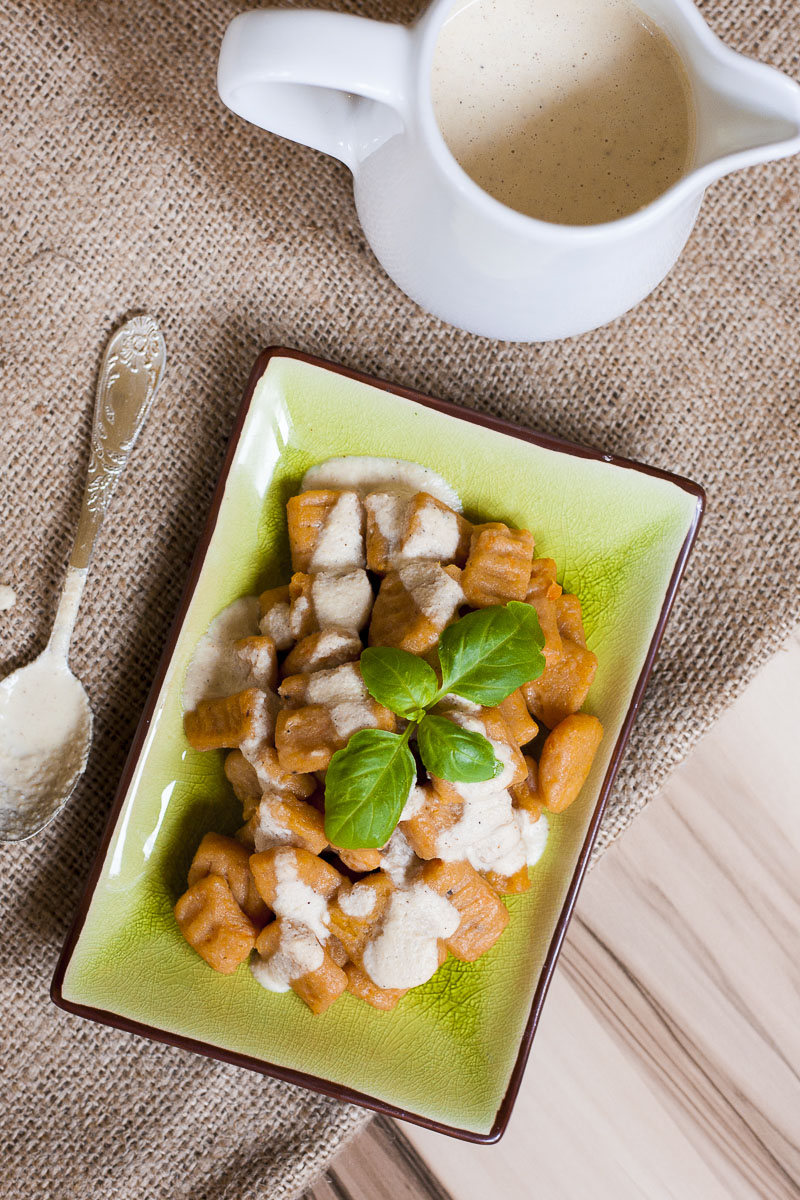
(360, 90)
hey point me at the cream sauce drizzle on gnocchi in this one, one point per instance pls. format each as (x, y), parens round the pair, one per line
(295, 900)
(341, 542)
(405, 951)
(489, 834)
(216, 669)
(298, 953)
(343, 693)
(435, 594)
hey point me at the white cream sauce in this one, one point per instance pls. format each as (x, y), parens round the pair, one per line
(216, 669)
(359, 901)
(8, 597)
(45, 731)
(340, 542)
(260, 661)
(343, 692)
(487, 834)
(365, 474)
(342, 600)
(269, 829)
(398, 860)
(404, 953)
(277, 624)
(298, 954)
(295, 900)
(389, 511)
(436, 535)
(534, 834)
(264, 716)
(435, 594)
(416, 801)
(301, 618)
(576, 111)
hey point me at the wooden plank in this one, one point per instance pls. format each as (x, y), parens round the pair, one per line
(380, 1162)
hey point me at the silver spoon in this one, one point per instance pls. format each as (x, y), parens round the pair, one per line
(45, 717)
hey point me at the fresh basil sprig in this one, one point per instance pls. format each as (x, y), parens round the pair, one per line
(399, 680)
(489, 653)
(484, 657)
(366, 787)
(451, 752)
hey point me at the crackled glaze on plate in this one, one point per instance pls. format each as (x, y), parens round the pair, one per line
(450, 1051)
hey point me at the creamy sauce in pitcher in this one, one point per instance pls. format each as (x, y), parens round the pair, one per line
(572, 111)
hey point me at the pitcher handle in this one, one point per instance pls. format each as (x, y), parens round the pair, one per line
(299, 73)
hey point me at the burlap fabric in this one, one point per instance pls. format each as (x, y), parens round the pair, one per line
(126, 185)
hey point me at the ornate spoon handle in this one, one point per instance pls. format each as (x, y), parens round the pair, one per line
(130, 374)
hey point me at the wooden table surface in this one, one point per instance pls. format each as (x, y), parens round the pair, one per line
(667, 1061)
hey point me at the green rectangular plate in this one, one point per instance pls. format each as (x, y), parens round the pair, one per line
(452, 1055)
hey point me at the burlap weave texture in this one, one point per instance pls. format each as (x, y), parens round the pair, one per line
(127, 186)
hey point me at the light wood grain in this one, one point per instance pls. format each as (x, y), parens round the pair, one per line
(667, 1062)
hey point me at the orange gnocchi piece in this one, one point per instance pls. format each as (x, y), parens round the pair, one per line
(570, 618)
(318, 987)
(214, 924)
(543, 594)
(309, 515)
(332, 706)
(443, 808)
(355, 912)
(223, 723)
(415, 603)
(224, 856)
(243, 779)
(508, 885)
(519, 721)
(271, 776)
(526, 794)
(306, 738)
(289, 819)
(499, 565)
(563, 686)
(323, 650)
(419, 527)
(359, 860)
(435, 531)
(566, 759)
(298, 865)
(483, 914)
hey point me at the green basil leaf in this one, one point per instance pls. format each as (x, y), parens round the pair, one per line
(457, 754)
(399, 680)
(489, 653)
(366, 788)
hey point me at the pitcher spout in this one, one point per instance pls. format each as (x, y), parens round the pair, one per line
(747, 113)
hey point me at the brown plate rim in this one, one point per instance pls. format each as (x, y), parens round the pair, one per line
(287, 1074)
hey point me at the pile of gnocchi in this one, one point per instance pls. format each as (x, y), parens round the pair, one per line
(395, 568)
